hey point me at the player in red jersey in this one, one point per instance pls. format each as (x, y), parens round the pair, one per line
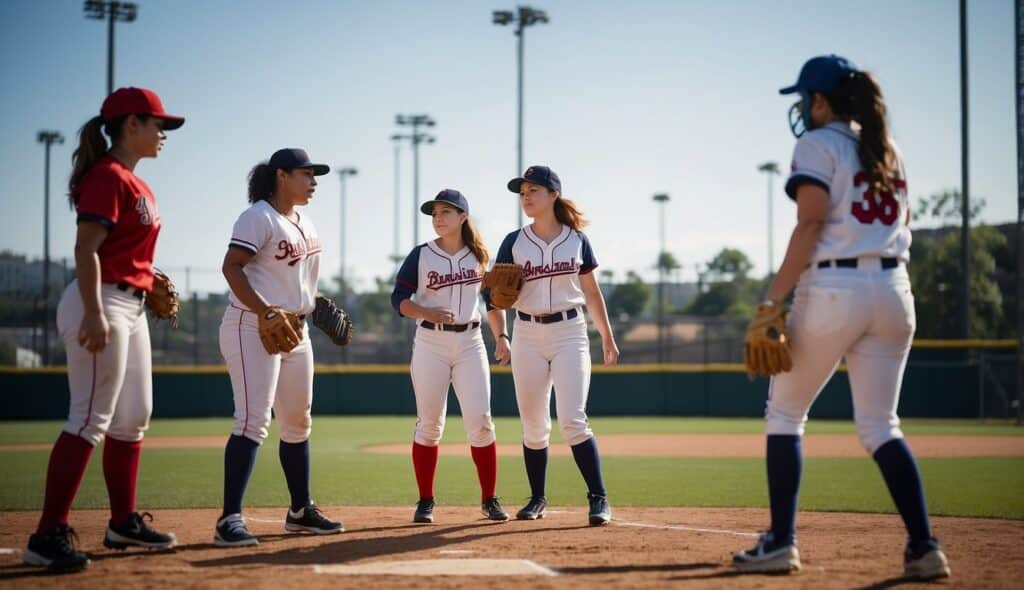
(102, 320)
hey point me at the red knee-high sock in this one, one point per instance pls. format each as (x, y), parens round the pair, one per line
(68, 460)
(424, 462)
(486, 459)
(121, 470)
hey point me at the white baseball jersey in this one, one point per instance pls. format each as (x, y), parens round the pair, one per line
(861, 221)
(285, 266)
(551, 271)
(434, 279)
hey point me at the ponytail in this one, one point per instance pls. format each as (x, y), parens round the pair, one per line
(569, 214)
(859, 98)
(262, 182)
(91, 147)
(472, 239)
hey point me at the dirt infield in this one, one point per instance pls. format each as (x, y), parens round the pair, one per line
(673, 445)
(752, 445)
(642, 548)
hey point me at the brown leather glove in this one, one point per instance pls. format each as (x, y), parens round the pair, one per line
(505, 281)
(162, 301)
(766, 346)
(280, 331)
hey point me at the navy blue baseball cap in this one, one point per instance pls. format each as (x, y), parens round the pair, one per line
(541, 175)
(821, 74)
(291, 158)
(448, 196)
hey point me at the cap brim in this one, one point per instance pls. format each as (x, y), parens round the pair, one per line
(428, 207)
(515, 183)
(319, 169)
(789, 89)
(171, 122)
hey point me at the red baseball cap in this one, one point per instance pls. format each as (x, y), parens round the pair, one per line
(138, 101)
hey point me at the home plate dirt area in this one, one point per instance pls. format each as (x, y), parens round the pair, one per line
(641, 548)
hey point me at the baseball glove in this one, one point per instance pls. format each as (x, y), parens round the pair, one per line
(766, 346)
(505, 281)
(280, 331)
(333, 320)
(162, 301)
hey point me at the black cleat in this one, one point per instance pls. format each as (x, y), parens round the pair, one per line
(534, 509)
(232, 532)
(55, 551)
(424, 511)
(600, 511)
(493, 510)
(136, 533)
(311, 520)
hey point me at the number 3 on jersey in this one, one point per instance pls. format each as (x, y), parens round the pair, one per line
(882, 205)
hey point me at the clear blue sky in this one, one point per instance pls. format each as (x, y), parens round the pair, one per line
(623, 100)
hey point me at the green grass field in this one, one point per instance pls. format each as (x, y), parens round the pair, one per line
(181, 478)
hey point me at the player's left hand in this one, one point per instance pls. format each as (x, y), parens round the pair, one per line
(611, 351)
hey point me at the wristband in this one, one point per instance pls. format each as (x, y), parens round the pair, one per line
(506, 337)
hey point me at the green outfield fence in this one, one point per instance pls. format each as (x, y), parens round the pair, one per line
(944, 379)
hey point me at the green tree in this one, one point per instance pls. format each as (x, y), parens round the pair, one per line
(730, 291)
(629, 297)
(728, 264)
(946, 207)
(936, 275)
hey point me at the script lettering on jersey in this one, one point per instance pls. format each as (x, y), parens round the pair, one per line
(465, 276)
(531, 272)
(142, 208)
(297, 250)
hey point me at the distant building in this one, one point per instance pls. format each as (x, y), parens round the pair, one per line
(21, 277)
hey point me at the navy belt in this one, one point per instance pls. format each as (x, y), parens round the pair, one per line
(887, 263)
(450, 327)
(136, 293)
(549, 319)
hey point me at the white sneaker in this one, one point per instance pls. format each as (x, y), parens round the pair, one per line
(761, 560)
(929, 566)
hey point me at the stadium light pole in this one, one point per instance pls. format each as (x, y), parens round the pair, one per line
(396, 140)
(661, 199)
(416, 138)
(1019, 75)
(523, 17)
(965, 222)
(112, 11)
(47, 138)
(343, 173)
(771, 169)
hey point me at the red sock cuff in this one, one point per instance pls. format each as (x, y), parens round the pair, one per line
(68, 460)
(424, 463)
(121, 472)
(486, 460)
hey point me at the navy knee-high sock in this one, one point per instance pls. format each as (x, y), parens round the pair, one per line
(536, 468)
(589, 463)
(904, 482)
(295, 463)
(239, 458)
(785, 464)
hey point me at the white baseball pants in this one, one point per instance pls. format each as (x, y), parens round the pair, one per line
(865, 314)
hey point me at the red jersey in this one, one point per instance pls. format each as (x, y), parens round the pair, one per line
(111, 195)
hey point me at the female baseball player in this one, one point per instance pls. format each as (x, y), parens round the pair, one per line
(102, 321)
(551, 344)
(272, 266)
(439, 285)
(847, 258)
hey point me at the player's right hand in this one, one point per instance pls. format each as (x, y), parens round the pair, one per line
(502, 353)
(439, 315)
(94, 332)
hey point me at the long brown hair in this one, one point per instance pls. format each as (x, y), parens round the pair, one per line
(859, 98)
(568, 213)
(91, 147)
(476, 245)
(262, 182)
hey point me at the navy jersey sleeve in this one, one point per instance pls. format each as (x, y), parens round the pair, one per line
(589, 262)
(407, 280)
(504, 256)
